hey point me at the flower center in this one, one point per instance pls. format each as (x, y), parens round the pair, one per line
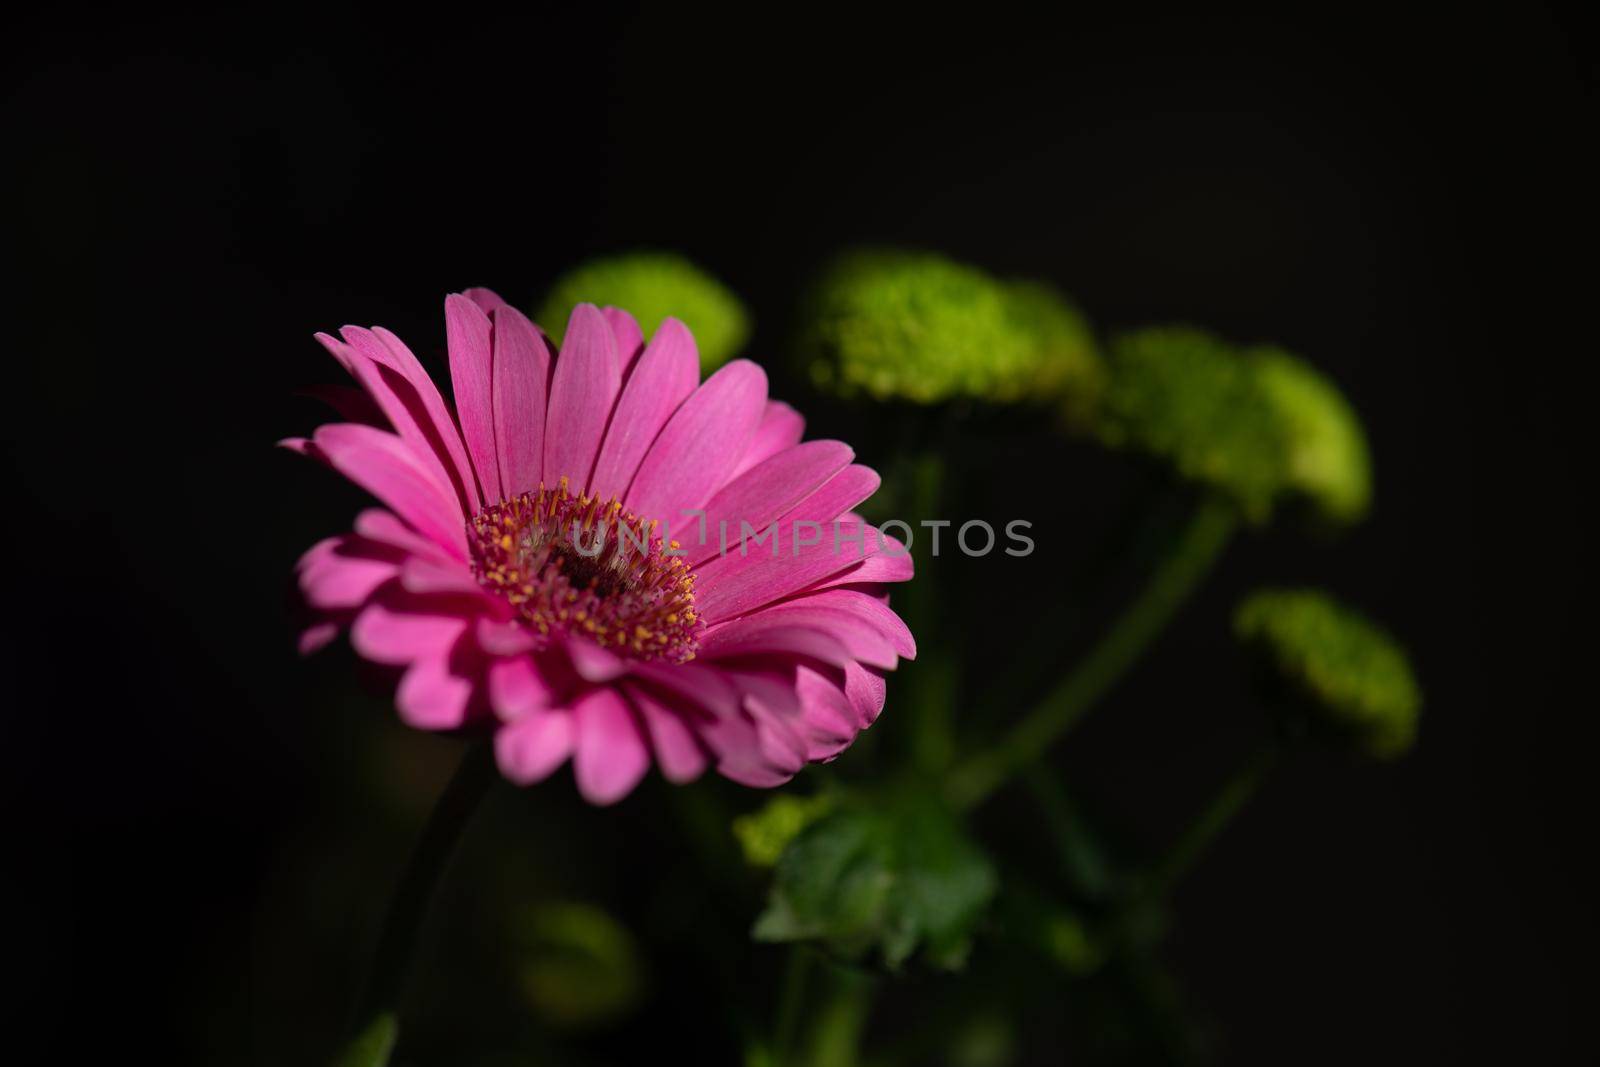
(580, 565)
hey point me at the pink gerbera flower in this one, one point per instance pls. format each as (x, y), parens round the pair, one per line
(540, 570)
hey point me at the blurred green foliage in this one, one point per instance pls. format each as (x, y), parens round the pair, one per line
(887, 876)
(919, 327)
(652, 286)
(1351, 674)
(577, 965)
(766, 832)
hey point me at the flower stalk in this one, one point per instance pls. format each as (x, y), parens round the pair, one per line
(377, 1017)
(1198, 547)
(1217, 815)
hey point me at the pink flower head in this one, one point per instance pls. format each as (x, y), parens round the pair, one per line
(551, 564)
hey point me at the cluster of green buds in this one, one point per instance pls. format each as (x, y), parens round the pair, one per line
(1258, 425)
(653, 285)
(1194, 402)
(1344, 672)
(922, 328)
(1325, 459)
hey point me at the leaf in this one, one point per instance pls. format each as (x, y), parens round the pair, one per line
(890, 876)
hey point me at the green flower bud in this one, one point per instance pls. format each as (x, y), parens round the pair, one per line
(652, 286)
(916, 326)
(1068, 365)
(767, 831)
(1190, 399)
(1348, 671)
(1326, 456)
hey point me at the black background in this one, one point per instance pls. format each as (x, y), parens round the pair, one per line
(1401, 198)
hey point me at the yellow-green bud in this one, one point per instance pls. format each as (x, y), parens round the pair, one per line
(1326, 458)
(652, 286)
(1195, 402)
(919, 327)
(1350, 672)
(1067, 366)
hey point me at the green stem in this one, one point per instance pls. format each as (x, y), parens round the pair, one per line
(1212, 820)
(836, 1032)
(1197, 549)
(1083, 862)
(377, 1019)
(791, 998)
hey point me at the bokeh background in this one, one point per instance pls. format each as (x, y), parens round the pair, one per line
(203, 826)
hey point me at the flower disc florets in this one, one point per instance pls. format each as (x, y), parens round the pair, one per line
(581, 565)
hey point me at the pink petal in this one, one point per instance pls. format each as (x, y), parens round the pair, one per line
(317, 637)
(677, 751)
(733, 584)
(835, 497)
(593, 663)
(530, 749)
(433, 419)
(499, 637)
(867, 691)
(667, 372)
(517, 687)
(776, 639)
(521, 376)
(468, 333)
(630, 339)
(740, 750)
(768, 490)
(781, 427)
(774, 630)
(587, 377)
(487, 299)
(871, 610)
(333, 582)
(697, 450)
(829, 719)
(769, 683)
(384, 634)
(433, 696)
(780, 743)
(402, 409)
(425, 576)
(892, 564)
(725, 726)
(703, 687)
(386, 528)
(748, 769)
(611, 755)
(384, 466)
